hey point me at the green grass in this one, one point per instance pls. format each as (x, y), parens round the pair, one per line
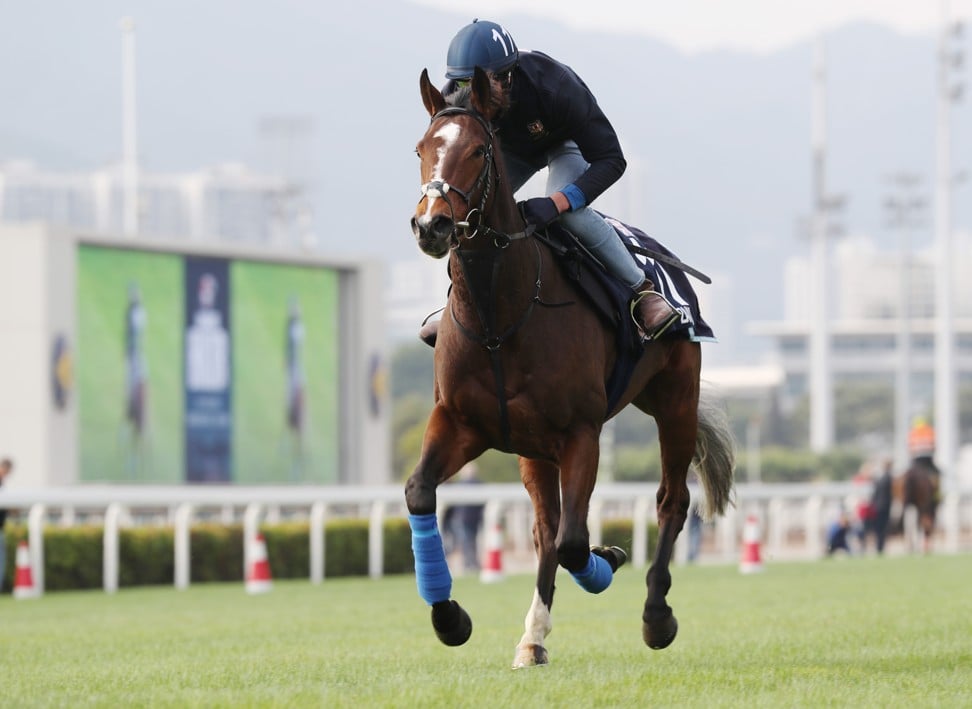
(893, 632)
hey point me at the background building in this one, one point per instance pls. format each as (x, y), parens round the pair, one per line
(866, 317)
(226, 203)
(149, 361)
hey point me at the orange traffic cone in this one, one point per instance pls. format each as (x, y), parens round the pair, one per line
(493, 564)
(24, 576)
(258, 579)
(751, 560)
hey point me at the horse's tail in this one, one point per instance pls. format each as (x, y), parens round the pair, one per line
(715, 456)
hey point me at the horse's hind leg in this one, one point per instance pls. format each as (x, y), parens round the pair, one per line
(541, 480)
(674, 396)
(443, 453)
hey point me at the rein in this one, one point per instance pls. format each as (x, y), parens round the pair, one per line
(481, 267)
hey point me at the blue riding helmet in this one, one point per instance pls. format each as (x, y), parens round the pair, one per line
(484, 44)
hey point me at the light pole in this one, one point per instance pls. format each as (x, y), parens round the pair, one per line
(946, 381)
(904, 208)
(822, 229)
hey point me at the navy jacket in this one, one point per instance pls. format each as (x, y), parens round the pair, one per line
(551, 104)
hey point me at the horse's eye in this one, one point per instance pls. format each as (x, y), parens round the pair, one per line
(480, 151)
(418, 154)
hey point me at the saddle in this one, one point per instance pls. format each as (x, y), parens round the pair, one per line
(610, 298)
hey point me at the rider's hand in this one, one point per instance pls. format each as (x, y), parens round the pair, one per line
(539, 211)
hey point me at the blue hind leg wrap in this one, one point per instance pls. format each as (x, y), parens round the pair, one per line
(596, 576)
(431, 570)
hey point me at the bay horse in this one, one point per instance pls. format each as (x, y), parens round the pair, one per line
(916, 491)
(512, 373)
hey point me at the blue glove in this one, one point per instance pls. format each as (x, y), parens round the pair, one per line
(539, 211)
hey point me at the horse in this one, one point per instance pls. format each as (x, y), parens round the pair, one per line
(916, 491)
(514, 373)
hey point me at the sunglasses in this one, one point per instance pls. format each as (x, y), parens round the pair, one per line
(503, 78)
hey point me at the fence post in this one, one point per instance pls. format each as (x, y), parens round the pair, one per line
(776, 523)
(110, 548)
(376, 540)
(183, 520)
(318, 515)
(35, 543)
(728, 533)
(519, 532)
(951, 521)
(595, 522)
(814, 511)
(639, 532)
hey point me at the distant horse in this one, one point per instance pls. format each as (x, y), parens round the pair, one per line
(515, 374)
(916, 491)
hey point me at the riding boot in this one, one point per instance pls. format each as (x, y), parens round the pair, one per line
(429, 333)
(652, 313)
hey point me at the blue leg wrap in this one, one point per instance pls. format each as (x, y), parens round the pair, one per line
(596, 576)
(431, 570)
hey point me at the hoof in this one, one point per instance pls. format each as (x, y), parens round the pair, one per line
(615, 556)
(660, 633)
(452, 624)
(531, 655)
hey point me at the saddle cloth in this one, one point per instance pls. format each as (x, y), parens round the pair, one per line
(611, 298)
(671, 282)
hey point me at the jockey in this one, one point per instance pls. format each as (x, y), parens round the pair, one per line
(549, 118)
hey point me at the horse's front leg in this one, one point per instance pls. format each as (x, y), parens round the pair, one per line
(541, 480)
(592, 569)
(444, 450)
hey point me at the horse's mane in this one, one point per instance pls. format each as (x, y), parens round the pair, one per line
(462, 98)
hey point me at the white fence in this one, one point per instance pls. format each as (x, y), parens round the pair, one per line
(793, 518)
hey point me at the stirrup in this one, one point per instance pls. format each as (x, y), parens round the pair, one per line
(662, 327)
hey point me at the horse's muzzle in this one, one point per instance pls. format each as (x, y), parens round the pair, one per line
(433, 234)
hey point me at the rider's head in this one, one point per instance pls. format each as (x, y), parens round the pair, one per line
(486, 45)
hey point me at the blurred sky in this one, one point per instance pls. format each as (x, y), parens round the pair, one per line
(700, 25)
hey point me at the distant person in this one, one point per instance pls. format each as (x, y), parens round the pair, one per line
(550, 119)
(881, 507)
(295, 367)
(921, 483)
(694, 532)
(6, 465)
(837, 535)
(136, 368)
(466, 520)
(296, 390)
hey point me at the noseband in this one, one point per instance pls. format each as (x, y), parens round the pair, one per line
(474, 223)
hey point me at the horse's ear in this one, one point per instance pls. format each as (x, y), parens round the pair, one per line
(431, 96)
(481, 88)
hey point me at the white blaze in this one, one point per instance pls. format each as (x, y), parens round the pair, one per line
(448, 134)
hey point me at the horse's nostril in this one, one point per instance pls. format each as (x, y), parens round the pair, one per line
(442, 225)
(415, 226)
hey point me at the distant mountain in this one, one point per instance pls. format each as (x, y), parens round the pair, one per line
(718, 143)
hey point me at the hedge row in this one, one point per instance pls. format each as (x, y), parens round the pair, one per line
(73, 557)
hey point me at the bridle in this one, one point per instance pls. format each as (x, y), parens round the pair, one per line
(474, 222)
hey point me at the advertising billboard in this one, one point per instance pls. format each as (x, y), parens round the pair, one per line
(205, 369)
